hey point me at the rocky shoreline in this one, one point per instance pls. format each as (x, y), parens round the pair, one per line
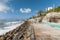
(32, 29)
(21, 31)
(40, 32)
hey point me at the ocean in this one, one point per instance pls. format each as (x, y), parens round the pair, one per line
(54, 25)
(8, 26)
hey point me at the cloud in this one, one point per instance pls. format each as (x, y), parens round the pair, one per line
(4, 1)
(4, 7)
(25, 10)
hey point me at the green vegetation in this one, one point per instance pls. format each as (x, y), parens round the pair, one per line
(57, 9)
(41, 13)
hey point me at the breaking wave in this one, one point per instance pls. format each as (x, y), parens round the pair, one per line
(7, 26)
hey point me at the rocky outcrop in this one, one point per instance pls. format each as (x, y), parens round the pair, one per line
(16, 34)
(52, 17)
(45, 32)
(36, 20)
(32, 31)
(37, 32)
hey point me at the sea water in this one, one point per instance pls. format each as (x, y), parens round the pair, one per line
(8, 26)
(55, 25)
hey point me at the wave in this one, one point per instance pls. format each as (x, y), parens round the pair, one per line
(9, 26)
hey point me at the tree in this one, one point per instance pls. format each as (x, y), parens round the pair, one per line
(40, 13)
(57, 9)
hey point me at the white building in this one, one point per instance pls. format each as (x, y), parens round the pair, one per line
(49, 8)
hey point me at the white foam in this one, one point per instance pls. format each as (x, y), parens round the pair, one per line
(9, 28)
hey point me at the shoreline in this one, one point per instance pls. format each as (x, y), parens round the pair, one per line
(10, 28)
(41, 30)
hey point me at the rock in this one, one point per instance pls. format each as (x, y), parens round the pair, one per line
(16, 34)
(1, 37)
(36, 31)
(36, 20)
(52, 17)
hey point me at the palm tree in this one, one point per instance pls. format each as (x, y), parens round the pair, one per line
(40, 13)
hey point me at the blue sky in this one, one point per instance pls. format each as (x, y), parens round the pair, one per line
(21, 9)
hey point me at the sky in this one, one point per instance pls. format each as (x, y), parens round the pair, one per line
(23, 9)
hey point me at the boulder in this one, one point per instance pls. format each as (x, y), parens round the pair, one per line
(52, 17)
